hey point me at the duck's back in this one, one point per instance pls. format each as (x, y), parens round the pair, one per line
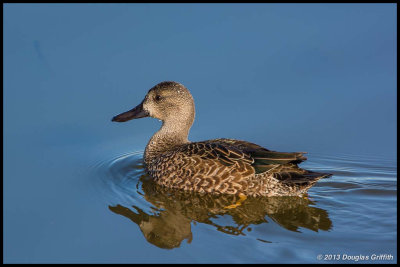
(231, 166)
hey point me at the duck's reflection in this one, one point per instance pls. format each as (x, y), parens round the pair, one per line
(170, 223)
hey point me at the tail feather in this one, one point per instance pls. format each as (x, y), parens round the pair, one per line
(301, 178)
(272, 157)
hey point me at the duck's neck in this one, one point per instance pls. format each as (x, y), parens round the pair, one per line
(170, 135)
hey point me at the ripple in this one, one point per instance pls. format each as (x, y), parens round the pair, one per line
(352, 169)
(118, 178)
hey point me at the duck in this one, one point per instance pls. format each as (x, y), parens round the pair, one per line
(216, 166)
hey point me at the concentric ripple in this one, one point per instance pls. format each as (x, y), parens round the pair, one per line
(119, 178)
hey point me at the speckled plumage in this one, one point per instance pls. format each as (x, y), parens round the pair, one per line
(219, 166)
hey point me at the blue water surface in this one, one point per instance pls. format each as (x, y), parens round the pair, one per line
(319, 78)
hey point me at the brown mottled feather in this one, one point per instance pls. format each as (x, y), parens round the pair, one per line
(230, 166)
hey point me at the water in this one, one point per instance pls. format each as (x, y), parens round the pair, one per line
(357, 206)
(287, 77)
(111, 211)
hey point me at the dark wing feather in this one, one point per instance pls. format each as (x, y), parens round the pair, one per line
(264, 159)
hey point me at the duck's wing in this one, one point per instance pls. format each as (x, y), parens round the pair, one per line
(230, 151)
(216, 151)
(263, 159)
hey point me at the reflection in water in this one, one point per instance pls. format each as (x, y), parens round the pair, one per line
(168, 223)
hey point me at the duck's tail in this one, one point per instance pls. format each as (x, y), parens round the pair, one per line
(301, 180)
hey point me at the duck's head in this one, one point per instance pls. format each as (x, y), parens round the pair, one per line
(170, 102)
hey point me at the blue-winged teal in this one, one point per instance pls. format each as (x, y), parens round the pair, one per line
(217, 166)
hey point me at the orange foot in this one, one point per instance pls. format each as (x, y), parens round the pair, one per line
(242, 198)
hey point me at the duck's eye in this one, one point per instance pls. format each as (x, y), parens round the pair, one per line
(157, 98)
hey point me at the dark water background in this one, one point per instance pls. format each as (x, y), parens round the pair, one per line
(315, 78)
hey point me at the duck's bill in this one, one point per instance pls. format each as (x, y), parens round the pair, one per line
(135, 113)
